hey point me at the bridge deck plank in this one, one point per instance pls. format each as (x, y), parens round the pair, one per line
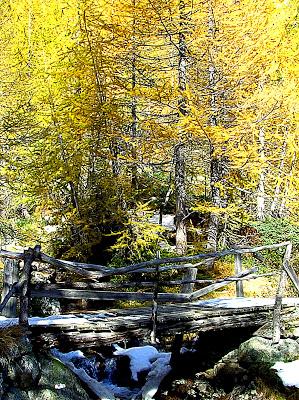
(111, 326)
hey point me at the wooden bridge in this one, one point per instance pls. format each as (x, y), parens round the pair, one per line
(166, 314)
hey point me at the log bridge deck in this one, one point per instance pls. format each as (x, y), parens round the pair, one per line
(170, 313)
(94, 329)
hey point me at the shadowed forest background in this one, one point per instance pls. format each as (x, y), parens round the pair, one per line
(116, 113)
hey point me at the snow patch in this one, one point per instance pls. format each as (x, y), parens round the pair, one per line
(140, 358)
(240, 302)
(288, 372)
(68, 319)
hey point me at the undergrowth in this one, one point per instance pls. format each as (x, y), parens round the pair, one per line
(8, 338)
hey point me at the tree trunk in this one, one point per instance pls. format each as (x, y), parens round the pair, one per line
(217, 165)
(10, 276)
(181, 212)
(288, 178)
(275, 200)
(260, 203)
(179, 151)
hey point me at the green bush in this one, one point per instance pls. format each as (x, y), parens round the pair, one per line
(276, 230)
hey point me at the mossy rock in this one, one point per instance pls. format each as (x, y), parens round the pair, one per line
(15, 394)
(57, 382)
(258, 355)
(24, 373)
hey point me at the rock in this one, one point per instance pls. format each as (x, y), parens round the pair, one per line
(227, 375)
(50, 394)
(200, 389)
(259, 351)
(227, 372)
(15, 394)
(57, 382)
(258, 355)
(17, 349)
(1, 385)
(24, 372)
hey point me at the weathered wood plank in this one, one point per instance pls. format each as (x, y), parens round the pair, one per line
(238, 270)
(29, 256)
(132, 285)
(10, 278)
(99, 271)
(203, 256)
(172, 319)
(292, 275)
(279, 295)
(188, 279)
(102, 295)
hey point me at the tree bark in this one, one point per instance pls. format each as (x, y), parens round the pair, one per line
(217, 165)
(10, 276)
(277, 191)
(179, 151)
(261, 187)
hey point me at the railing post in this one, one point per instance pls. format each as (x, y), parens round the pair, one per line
(10, 276)
(190, 275)
(238, 270)
(279, 294)
(153, 335)
(29, 256)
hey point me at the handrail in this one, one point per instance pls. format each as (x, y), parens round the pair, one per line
(94, 272)
(99, 271)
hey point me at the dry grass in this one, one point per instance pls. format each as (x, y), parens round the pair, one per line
(260, 287)
(266, 392)
(8, 339)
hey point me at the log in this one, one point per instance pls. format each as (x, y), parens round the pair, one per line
(279, 295)
(102, 295)
(72, 267)
(29, 256)
(12, 291)
(238, 270)
(172, 319)
(190, 276)
(206, 256)
(99, 271)
(11, 254)
(132, 285)
(292, 275)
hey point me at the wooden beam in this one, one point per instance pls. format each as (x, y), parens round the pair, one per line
(102, 295)
(187, 283)
(29, 256)
(215, 286)
(292, 275)
(10, 278)
(238, 270)
(99, 271)
(203, 256)
(279, 295)
(132, 285)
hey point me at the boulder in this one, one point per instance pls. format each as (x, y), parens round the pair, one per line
(258, 355)
(15, 394)
(57, 382)
(24, 372)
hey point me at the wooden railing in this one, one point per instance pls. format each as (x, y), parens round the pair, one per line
(99, 286)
